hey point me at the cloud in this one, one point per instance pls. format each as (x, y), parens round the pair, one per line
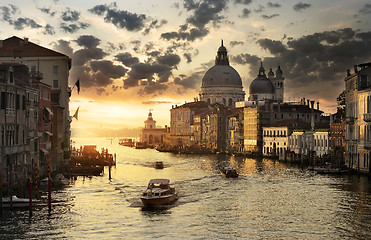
(204, 11)
(103, 72)
(235, 43)
(70, 21)
(169, 59)
(246, 59)
(155, 24)
(260, 9)
(246, 2)
(201, 14)
(64, 47)
(273, 5)
(70, 15)
(49, 29)
(245, 13)
(366, 9)
(191, 35)
(189, 82)
(48, 11)
(274, 47)
(153, 88)
(21, 23)
(88, 41)
(269, 16)
(319, 59)
(145, 73)
(127, 59)
(7, 12)
(188, 57)
(89, 52)
(120, 18)
(301, 6)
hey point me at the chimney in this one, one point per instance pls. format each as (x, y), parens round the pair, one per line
(355, 69)
(25, 40)
(308, 102)
(348, 72)
(312, 104)
(318, 106)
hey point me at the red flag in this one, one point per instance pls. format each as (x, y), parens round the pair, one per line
(76, 115)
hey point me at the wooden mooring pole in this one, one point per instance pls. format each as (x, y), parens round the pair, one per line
(1, 197)
(109, 171)
(49, 189)
(30, 195)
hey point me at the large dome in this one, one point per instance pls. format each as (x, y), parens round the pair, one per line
(222, 75)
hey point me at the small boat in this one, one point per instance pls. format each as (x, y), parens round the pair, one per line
(128, 142)
(159, 165)
(158, 192)
(229, 172)
(17, 202)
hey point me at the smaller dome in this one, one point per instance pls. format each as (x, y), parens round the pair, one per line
(261, 84)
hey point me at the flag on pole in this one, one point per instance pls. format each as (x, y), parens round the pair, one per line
(76, 115)
(78, 86)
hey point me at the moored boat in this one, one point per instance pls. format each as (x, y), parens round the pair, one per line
(159, 165)
(229, 172)
(15, 202)
(158, 192)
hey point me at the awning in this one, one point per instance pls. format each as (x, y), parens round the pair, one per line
(49, 110)
(44, 151)
(48, 133)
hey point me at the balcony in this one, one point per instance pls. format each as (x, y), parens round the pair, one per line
(15, 149)
(37, 75)
(367, 117)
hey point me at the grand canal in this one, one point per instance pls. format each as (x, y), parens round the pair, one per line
(270, 200)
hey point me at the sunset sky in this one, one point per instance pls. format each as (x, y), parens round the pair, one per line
(137, 55)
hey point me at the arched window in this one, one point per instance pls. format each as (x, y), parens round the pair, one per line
(208, 100)
(224, 101)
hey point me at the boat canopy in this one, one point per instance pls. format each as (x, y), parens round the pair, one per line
(159, 181)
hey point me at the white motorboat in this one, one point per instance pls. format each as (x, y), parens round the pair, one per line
(16, 202)
(158, 192)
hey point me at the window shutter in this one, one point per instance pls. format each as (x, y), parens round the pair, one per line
(3, 100)
(17, 102)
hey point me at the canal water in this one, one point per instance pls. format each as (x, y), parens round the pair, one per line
(270, 200)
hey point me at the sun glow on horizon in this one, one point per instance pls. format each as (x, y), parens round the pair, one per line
(116, 114)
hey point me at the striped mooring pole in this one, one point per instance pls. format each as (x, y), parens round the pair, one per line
(49, 189)
(36, 176)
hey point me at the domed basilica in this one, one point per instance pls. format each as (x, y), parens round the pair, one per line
(222, 83)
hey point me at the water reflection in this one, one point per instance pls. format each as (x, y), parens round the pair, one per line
(270, 200)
